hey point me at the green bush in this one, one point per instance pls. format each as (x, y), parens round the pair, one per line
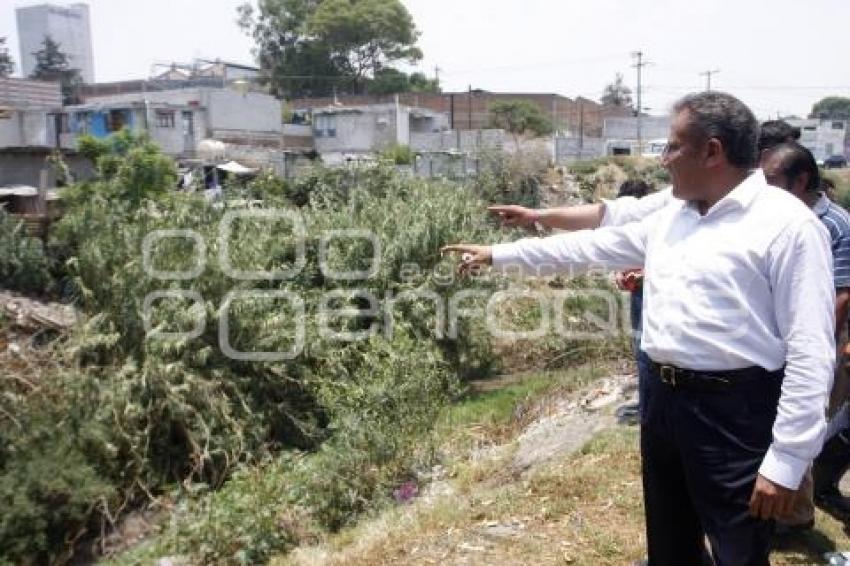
(149, 413)
(398, 154)
(23, 263)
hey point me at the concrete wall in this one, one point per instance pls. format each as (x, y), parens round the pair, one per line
(11, 130)
(171, 140)
(231, 110)
(24, 167)
(20, 93)
(26, 128)
(652, 127)
(402, 125)
(456, 140)
(297, 136)
(570, 149)
(360, 132)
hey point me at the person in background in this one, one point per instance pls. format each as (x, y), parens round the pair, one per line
(631, 280)
(775, 132)
(827, 187)
(792, 167)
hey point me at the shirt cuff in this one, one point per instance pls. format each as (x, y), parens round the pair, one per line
(502, 254)
(783, 469)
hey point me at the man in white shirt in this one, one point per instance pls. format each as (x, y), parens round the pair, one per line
(739, 324)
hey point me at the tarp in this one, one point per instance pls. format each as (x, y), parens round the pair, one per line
(18, 191)
(236, 168)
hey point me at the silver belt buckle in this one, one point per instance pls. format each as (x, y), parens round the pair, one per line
(668, 375)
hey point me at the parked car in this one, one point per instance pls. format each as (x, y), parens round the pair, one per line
(834, 162)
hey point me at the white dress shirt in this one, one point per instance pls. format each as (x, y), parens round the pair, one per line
(625, 210)
(747, 284)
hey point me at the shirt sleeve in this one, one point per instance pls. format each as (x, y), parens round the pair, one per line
(800, 270)
(841, 257)
(625, 210)
(613, 248)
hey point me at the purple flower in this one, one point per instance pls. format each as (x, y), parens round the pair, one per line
(405, 492)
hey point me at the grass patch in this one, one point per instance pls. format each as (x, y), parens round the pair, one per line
(584, 509)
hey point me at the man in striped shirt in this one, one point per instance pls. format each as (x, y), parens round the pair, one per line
(792, 167)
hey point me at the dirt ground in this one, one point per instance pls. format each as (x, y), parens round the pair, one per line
(564, 490)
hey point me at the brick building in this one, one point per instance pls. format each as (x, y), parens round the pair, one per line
(470, 110)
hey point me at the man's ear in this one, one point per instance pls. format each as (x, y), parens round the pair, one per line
(799, 184)
(714, 154)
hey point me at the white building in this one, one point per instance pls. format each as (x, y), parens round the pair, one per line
(67, 26)
(340, 131)
(178, 121)
(824, 138)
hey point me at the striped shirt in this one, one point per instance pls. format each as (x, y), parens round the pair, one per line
(837, 221)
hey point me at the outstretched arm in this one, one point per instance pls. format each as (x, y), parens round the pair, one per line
(580, 217)
(617, 212)
(619, 247)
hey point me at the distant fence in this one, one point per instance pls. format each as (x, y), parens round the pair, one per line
(571, 149)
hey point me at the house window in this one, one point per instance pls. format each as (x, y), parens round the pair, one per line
(838, 125)
(325, 126)
(164, 119)
(116, 120)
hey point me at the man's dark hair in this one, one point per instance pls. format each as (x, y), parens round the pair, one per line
(796, 160)
(634, 188)
(723, 117)
(775, 132)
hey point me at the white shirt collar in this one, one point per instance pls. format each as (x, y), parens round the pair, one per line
(742, 195)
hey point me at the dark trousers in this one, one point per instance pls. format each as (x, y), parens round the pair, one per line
(701, 452)
(642, 360)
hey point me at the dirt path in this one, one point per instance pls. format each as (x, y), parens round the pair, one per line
(564, 490)
(494, 510)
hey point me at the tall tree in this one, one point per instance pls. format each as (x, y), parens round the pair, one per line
(617, 94)
(519, 117)
(317, 47)
(7, 65)
(832, 108)
(52, 65)
(390, 80)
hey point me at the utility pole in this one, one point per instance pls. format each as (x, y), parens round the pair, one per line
(437, 70)
(469, 109)
(639, 65)
(580, 127)
(707, 75)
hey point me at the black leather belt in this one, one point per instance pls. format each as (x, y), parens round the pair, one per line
(707, 380)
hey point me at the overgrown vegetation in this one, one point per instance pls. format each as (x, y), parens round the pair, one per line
(23, 263)
(601, 177)
(127, 413)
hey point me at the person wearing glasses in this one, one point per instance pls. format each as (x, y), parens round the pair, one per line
(739, 326)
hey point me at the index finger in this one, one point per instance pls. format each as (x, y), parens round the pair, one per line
(462, 248)
(497, 208)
